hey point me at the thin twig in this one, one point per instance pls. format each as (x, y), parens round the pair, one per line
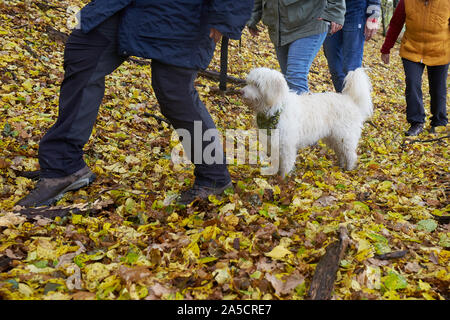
(372, 124)
(146, 114)
(140, 62)
(31, 51)
(427, 140)
(391, 255)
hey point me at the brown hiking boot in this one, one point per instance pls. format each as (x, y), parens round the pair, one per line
(199, 192)
(49, 190)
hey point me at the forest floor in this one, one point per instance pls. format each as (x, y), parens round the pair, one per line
(124, 238)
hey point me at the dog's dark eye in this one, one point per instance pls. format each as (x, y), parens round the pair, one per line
(255, 84)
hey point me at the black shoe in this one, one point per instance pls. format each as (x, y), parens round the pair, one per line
(199, 192)
(49, 190)
(415, 129)
(432, 130)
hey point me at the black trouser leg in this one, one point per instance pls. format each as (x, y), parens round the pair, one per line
(180, 103)
(415, 112)
(437, 78)
(88, 58)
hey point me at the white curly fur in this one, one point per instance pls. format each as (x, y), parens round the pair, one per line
(336, 118)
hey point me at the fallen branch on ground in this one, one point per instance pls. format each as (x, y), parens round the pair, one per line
(214, 75)
(324, 277)
(5, 262)
(441, 219)
(51, 212)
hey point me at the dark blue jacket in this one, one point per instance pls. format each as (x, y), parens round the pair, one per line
(175, 32)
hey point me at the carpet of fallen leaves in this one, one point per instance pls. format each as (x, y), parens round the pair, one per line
(262, 241)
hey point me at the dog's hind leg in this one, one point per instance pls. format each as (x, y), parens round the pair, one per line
(351, 160)
(350, 157)
(338, 149)
(346, 153)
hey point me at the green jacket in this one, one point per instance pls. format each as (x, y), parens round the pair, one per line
(289, 20)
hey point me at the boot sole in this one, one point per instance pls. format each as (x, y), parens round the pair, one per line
(217, 192)
(80, 183)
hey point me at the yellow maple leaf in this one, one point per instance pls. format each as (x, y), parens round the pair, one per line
(279, 253)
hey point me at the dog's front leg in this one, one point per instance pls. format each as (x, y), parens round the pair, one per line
(288, 155)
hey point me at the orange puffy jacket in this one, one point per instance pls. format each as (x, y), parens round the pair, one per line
(427, 34)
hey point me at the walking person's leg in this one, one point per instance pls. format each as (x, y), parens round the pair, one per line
(332, 49)
(437, 79)
(88, 58)
(282, 57)
(344, 52)
(353, 47)
(180, 103)
(415, 113)
(300, 58)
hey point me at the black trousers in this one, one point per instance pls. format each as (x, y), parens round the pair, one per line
(437, 78)
(88, 58)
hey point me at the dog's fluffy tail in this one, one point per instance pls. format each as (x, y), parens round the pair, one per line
(357, 86)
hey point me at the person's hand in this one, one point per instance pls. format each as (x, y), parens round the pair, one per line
(335, 27)
(253, 31)
(385, 58)
(215, 35)
(369, 33)
(371, 28)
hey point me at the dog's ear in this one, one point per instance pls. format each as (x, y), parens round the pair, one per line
(273, 87)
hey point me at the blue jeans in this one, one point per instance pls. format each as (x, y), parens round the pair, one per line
(344, 51)
(296, 58)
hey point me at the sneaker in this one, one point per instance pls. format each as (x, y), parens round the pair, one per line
(415, 129)
(199, 192)
(49, 190)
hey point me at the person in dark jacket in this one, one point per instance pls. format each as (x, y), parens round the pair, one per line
(344, 49)
(180, 37)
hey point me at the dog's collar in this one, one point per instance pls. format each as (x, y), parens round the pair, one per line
(265, 122)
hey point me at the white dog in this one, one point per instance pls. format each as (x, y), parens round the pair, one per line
(302, 120)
